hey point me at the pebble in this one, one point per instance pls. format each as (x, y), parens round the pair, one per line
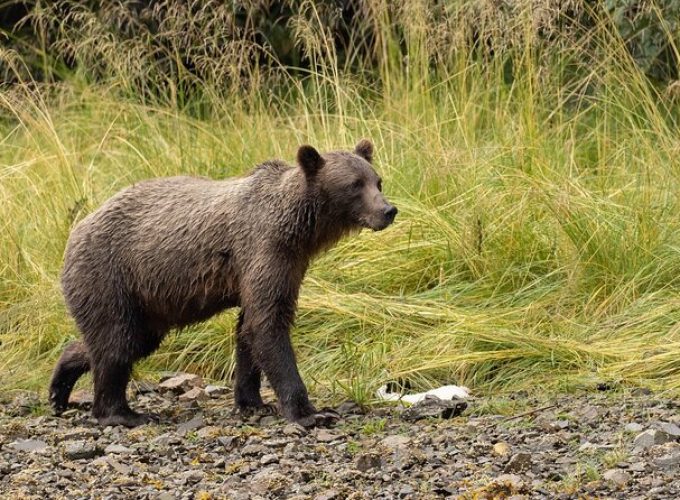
(76, 450)
(501, 449)
(617, 476)
(220, 456)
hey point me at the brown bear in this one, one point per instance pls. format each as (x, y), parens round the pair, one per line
(166, 253)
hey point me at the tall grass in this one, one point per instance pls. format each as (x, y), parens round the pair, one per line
(538, 240)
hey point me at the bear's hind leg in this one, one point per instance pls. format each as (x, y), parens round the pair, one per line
(111, 368)
(248, 378)
(72, 364)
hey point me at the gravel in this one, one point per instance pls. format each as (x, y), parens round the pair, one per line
(605, 444)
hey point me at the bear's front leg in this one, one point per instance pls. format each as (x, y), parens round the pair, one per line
(267, 325)
(248, 377)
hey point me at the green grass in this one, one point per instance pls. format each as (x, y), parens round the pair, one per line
(537, 245)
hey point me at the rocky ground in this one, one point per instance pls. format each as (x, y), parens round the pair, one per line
(600, 444)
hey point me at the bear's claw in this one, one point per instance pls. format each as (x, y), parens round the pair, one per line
(326, 417)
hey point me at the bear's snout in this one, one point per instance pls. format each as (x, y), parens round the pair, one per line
(390, 213)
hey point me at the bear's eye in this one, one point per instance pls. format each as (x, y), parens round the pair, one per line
(380, 185)
(358, 184)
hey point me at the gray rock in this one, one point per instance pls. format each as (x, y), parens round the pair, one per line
(229, 442)
(637, 467)
(325, 436)
(518, 462)
(633, 427)
(513, 479)
(76, 450)
(672, 458)
(29, 445)
(166, 439)
(181, 383)
(560, 424)
(118, 467)
(190, 425)
(294, 430)
(669, 428)
(396, 441)
(617, 476)
(368, 461)
(165, 495)
(194, 394)
(269, 458)
(116, 448)
(650, 438)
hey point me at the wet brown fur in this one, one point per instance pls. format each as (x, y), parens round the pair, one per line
(170, 252)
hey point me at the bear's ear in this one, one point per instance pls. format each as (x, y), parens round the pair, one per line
(310, 160)
(365, 150)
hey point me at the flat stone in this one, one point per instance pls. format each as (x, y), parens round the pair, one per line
(116, 448)
(181, 383)
(634, 427)
(368, 461)
(617, 476)
(325, 436)
(396, 441)
(194, 394)
(637, 467)
(118, 467)
(190, 425)
(76, 450)
(294, 430)
(669, 428)
(650, 438)
(29, 445)
(513, 479)
(269, 458)
(518, 462)
(560, 424)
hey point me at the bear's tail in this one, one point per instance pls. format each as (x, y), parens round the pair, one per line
(74, 362)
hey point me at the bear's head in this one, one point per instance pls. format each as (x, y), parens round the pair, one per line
(349, 186)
